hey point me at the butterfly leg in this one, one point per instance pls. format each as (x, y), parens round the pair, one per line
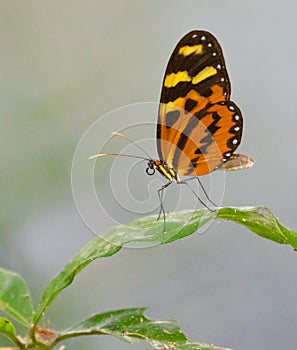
(162, 210)
(203, 189)
(195, 194)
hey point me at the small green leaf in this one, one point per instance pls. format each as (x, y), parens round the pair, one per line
(15, 298)
(7, 328)
(131, 325)
(179, 224)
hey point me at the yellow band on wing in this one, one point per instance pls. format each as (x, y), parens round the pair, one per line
(188, 50)
(173, 79)
(204, 74)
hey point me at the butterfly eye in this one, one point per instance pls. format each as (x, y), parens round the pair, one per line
(150, 170)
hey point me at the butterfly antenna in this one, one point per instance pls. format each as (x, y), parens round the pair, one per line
(131, 141)
(118, 155)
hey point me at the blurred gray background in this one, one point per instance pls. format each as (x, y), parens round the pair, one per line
(65, 64)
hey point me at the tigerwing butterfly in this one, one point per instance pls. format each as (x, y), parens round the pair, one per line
(199, 127)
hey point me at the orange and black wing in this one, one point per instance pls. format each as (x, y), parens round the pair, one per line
(199, 128)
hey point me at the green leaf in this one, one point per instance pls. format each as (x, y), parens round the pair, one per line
(178, 225)
(15, 298)
(261, 221)
(131, 325)
(7, 328)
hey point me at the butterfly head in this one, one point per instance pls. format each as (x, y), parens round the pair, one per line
(150, 170)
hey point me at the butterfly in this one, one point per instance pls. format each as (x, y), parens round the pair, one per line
(199, 128)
